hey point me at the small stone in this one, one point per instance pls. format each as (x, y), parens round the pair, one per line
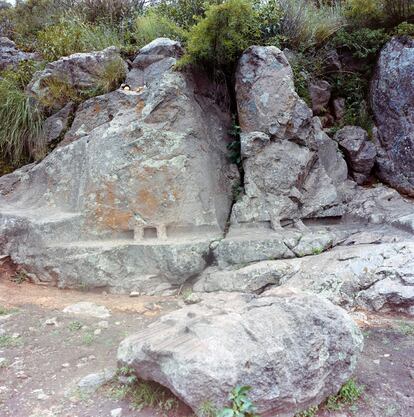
(15, 335)
(116, 412)
(118, 323)
(86, 308)
(2, 361)
(134, 294)
(21, 375)
(65, 365)
(42, 396)
(103, 324)
(92, 382)
(51, 322)
(376, 361)
(97, 332)
(387, 355)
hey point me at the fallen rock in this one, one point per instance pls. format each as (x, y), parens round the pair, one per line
(292, 349)
(11, 56)
(55, 126)
(359, 151)
(74, 75)
(392, 98)
(91, 382)
(88, 309)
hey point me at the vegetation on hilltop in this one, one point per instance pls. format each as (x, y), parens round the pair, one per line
(215, 32)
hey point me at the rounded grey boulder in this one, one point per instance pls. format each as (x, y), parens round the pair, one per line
(293, 349)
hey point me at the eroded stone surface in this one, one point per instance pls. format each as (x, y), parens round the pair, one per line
(10, 55)
(392, 99)
(268, 342)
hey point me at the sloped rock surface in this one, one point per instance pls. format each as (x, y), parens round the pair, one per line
(10, 55)
(392, 101)
(286, 174)
(133, 195)
(78, 73)
(293, 349)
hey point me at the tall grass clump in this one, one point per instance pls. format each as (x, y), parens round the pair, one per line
(72, 35)
(304, 24)
(20, 119)
(154, 24)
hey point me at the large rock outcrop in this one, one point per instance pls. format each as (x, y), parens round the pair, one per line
(75, 76)
(392, 100)
(132, 197)
(292, 169)
(292, 349)
(11, 56)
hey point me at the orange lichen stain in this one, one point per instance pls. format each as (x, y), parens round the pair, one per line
(140, 106)
(97, 108)
(148, 202)
(107, 214)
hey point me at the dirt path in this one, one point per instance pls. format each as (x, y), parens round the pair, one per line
(45, 352)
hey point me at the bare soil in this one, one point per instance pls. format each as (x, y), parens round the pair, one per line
(44, 362)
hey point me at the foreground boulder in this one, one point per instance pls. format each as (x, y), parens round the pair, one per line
(75, 76)
(293, 170)
(134, 194)
(292, 349)
(10, 55)
(392, 100)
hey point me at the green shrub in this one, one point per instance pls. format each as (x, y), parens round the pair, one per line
(347, 395)
(363, 43)
(365, 12)
(153, 25)
(72, 35)
(218, 39)
(20, 119)
(270, 16)
(404, 29)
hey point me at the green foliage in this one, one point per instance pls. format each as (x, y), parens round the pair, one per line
(270, 16)
(241, 405)
(310, 412)
(9, 341)
(404, 29)
(347, 395)
(70, 36)
(218, 39)
(20, 119)
(6, 311)
(75, 326)
(154, 25)
(207, 409)
(363, 43)
(365, 12)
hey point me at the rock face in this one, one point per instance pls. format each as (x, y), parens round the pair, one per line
(288, 173)
(320, 93)
(10, 56)
(76, 74)
(359, 151)
(293, 349)
(134, 195)
(392, 100)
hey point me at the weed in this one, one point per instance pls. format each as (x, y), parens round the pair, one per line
(317, 251)
(88, 338)
(406, 328)
(310, 412)
(207, 409)
(6, 311)
(9, 341)
(347, 395)
(75, 326)
(20, 277)
(241, 406)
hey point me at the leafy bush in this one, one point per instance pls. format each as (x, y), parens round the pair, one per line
(241, 405)
(20, 120)
(347, 395)
(218, 39)
(404, 29)
(72, 35)
(365, 12)
(363, 43)
(154, 25)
